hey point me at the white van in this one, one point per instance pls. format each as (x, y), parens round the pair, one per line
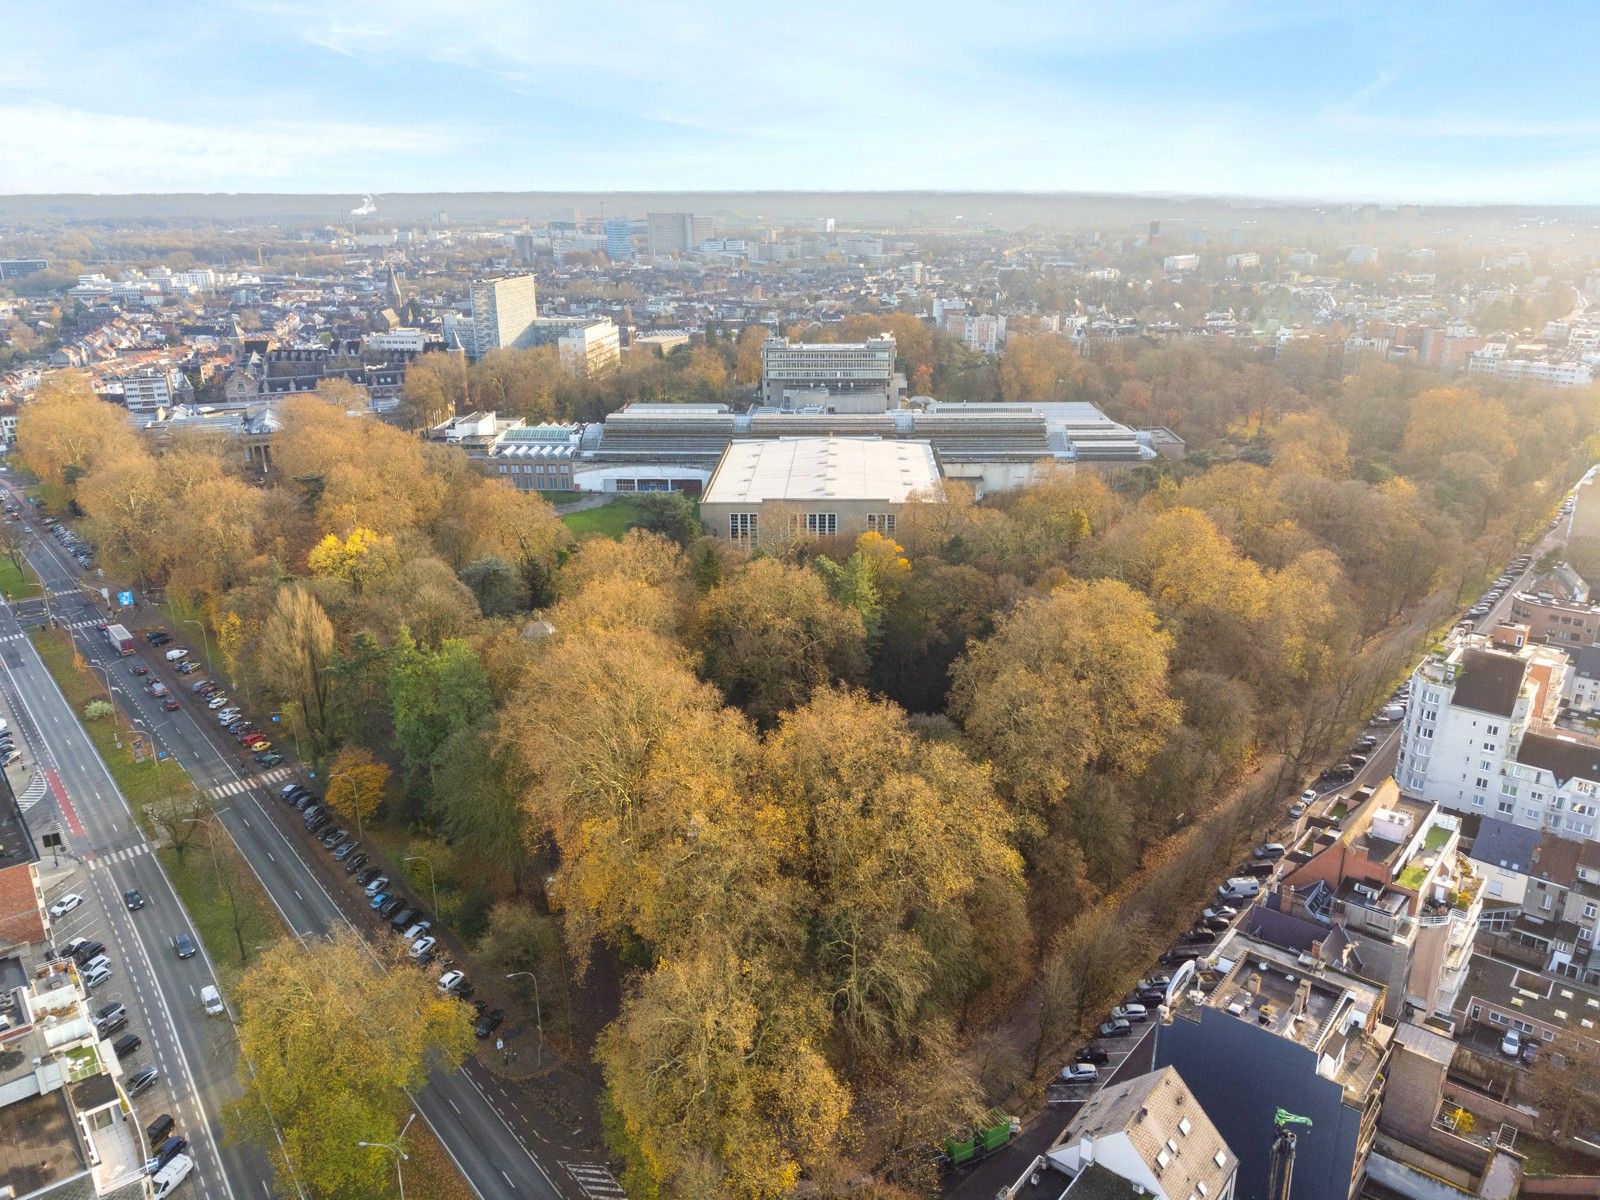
(171, 1175)
(211, 1000)
(1241, 887)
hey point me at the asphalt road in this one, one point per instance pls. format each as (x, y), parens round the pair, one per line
(108, 856)
(499, 1162)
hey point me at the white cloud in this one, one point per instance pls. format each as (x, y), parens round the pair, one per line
(53, 148)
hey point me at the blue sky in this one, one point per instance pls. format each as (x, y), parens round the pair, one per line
(1443, 101)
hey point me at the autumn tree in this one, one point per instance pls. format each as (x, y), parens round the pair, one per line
(292, 657)
(1562, 1083)
(716, 1066)
(356, 782)
(363, 559)
(1070, 684)
(65, 430)
(1041, 366)
(747, 354)
(127, 503)
(770, 635)
(331, 1038)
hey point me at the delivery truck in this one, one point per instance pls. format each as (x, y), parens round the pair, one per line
(120, 638)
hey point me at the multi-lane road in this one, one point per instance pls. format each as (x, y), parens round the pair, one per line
(505, 1155)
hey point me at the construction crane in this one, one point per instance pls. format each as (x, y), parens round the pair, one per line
(1280, 1165)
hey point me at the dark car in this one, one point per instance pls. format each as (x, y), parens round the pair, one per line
(142, 1081)
(156, 1132)
(183, 945)
(1198, 937)
(332, 837)
(134, 899)
(110, 1012)
(127, 1044)
(1179, 955)
(170, 1149)
(1117, 1027)
(1092, 1054)
(317, 822)
(488, 1023)
(392, 905)
(304, 801)
(141, 669)
(114, 1025)
(158, 638)
(404, 919)
(269, 758)
(355, 862)
(368, 876)
(1151, 995)
(87, 951)
(344, 850)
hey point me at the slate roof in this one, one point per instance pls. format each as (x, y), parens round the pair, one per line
(1564, 757)
(1489, 681)
(1502, 844)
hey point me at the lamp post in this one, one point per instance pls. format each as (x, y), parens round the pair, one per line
(116, 733)
(400, 1156)
(433, 883)
(204, 640)
(538, 1014)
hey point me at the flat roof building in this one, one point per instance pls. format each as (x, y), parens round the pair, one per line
(830, 486)
(852, 376)
(503, 309)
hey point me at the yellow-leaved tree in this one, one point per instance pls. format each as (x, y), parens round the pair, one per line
(356, 782)
(331, 1037)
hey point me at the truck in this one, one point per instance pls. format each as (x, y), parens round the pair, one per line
(990, 1132)
(120, 638)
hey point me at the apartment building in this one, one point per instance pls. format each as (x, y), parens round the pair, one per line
(1389, 877)
(503, 309)
(1478, 737)
(1147, 1137)
(1566, 623)
(1542, 904)
(619, 239)
(147, 391)
(1558, 374)
(837, 376)
(1275, 1018)
(675, 233)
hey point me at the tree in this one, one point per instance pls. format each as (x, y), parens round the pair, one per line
(293, 656)
(717, 1070)
(65, 430)
(771, 635)
(178, 816)
(1070, 684)
(1088, 967)
(747, 354)
(364, 559)
(1041, 366)
(434, 693)
(477, 803)
(127, 502)
(356, 782)
(1563, 1083)
(495, 585)
(331, 1037)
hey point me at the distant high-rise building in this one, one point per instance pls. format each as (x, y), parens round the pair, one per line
(824, 224)
(676, 233)
(503, 309)
(619, 239)
(523, 244)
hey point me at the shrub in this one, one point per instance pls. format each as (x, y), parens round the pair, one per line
(97, 710)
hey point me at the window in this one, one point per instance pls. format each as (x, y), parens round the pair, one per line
(880, 523)
(1184, 1126)
(1220, 1158)
(1497, 1019)
(822, 524)
(1492, 729)
(1481, 783)
(742, 527)
(1506, 806)
(1590, 912)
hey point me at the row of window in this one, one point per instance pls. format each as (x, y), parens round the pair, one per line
(533, 469)
(742, 527)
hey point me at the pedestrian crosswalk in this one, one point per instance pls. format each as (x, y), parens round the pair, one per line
(34, 792)
(596, 1182)
(119, 855)
(236, 786)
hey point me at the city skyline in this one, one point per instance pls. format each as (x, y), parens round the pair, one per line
(1190, 96)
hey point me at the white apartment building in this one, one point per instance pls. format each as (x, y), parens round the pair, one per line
(1180, 262)
(1529, 370)
(151, 390)
(1478, 739)
(983, 333)
(397, 341)
(591, 347)
(862, 370)
(503, 308)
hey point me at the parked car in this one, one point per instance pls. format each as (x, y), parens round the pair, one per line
(376, 884)
(488, 1023)
(82, 950)
(1117, 1027)
(66, 904)
(355, 862)
(413, 932)
(142, 1082)
(451, 980)
(368, 876)
(394, 905)
(126, 1044)
(379, 899)
(422, 946)
(1078, 1072)
(1130, 1012)
(402, 917)
(269, 758)
(168, 1149)
(1268, 850)
(107, 1013)
(1511, 1044)
(345, 849)
(156, 1132)
(93, 979)
(1092, 1054)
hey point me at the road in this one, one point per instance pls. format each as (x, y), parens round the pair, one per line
(108, 856)
(505, 1155)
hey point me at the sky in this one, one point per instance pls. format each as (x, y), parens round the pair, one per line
(1453, 101)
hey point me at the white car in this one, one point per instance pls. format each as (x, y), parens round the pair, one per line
(1079, 1073)
(451, 980)
(1307, 796)
(66, 904)
(216, 702)
(421, 946)
(1130, 1012)
(417, 930)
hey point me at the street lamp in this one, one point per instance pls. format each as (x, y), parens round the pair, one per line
(538, 1014)
(116, 734)
(400, 1156)
(204, 640)
(433, 883)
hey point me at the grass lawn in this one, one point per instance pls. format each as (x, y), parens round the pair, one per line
(19, 585)
(1545, 1159)
(609, 520)
(564, 497)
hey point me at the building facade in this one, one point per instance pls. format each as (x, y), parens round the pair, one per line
(503, 309)
(675, 232)
(860, 373)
